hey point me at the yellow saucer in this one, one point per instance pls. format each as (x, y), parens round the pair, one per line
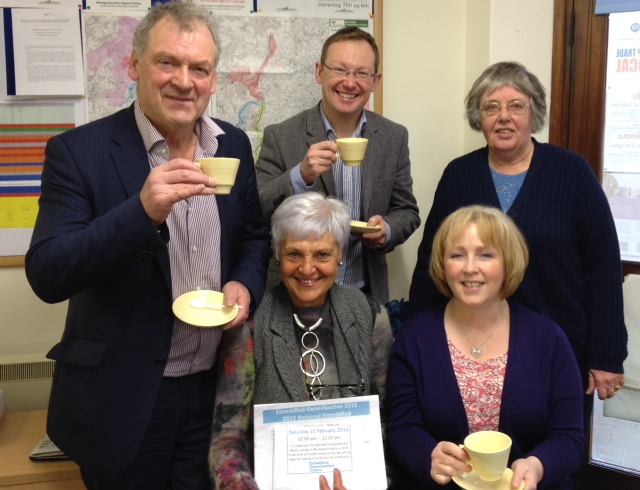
(203, 309)
(473, 482)
(361, 227)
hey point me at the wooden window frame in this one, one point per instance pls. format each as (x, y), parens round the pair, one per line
(576, 122)
(578, 82)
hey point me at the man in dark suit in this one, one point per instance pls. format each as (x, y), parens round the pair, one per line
(127, 224)
(299, 155)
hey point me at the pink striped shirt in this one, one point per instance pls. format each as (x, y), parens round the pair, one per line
(194, 249)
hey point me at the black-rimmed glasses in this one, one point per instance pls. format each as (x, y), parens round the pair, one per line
(342, 73)
(323, 392)
(515, 107)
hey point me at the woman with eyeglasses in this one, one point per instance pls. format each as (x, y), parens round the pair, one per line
(574, 275)
(480, 362)
(312, 339)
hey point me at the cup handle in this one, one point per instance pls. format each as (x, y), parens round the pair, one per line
(464, 475)
(468, 461)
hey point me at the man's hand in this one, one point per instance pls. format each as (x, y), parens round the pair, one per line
(170, 183)
(236, 293)
(375, 240)
(318, 160)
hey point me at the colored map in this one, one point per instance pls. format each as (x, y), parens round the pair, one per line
(107, 48)
(267, 69)
(266, 72)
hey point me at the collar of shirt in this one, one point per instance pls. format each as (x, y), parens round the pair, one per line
(207, 132)
(331, 134)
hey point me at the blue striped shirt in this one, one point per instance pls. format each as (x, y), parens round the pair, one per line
(348, 182)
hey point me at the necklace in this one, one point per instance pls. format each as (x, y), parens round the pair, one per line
(476, 352)
(311, 357)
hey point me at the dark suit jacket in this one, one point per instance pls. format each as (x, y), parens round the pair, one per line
(94, 245)
(386, 179)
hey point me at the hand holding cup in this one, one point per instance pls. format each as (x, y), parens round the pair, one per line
(488, 453)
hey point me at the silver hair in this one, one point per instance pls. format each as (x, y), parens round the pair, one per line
(507, 74)
(310, 215)
(185, 13)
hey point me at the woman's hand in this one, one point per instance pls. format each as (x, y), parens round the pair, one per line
(448, 459)
(337, 481)
(604, 383)
(528, 469)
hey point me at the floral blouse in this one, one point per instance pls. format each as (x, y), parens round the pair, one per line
(480, 385)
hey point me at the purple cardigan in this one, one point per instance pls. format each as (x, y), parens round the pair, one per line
(541, 406)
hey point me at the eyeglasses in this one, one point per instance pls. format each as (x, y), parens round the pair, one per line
(323, 392)
(515, 107)
(342, 73)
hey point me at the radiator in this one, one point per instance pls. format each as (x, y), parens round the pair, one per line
(25, 380)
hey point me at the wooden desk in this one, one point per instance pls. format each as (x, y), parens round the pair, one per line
(20, 432)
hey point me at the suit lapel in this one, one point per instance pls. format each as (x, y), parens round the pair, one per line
(373, 157)
(132, 163)
(128, 153)
(284, 343)
(345, 338)
(315, 134)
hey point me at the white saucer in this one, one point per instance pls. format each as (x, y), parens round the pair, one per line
(203, 316)
(361, 227)
(473, 482)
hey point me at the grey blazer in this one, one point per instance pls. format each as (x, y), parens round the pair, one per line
(366, 330)
(387, 186)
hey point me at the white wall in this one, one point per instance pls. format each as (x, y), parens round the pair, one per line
(27, 325)
(433, 51)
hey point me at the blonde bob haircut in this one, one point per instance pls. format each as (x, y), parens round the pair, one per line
(496, 230)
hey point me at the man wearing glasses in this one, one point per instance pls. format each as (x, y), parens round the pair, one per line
(300, 155)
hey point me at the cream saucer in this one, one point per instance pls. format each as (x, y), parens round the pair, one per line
(203, 309)
(473, 482)
(361, 227)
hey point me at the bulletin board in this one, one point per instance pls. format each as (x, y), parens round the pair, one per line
(26, 122)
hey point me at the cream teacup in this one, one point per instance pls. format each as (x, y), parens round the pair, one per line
(352, 150)
(488, 452)
(224, 170)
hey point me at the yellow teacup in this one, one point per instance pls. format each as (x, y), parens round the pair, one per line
(352, 150)
(224, 170)
(488, 452)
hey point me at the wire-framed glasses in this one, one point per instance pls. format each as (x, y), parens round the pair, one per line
(322, 391)
(342, 73)
(515, 107)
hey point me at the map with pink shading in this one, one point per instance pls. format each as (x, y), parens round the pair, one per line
(267, 69)
(107, 48)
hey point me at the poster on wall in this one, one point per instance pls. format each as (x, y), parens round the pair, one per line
(47, 59)
(328, 9)
(621, 159)
(25, 128)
